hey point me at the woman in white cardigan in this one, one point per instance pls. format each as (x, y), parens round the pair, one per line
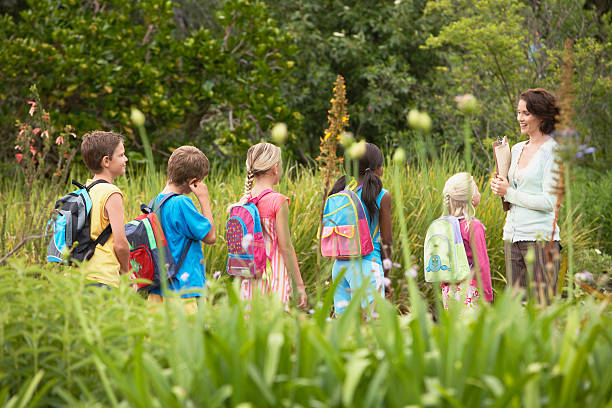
(529, 190)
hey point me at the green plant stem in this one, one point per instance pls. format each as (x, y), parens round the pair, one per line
(570, 231)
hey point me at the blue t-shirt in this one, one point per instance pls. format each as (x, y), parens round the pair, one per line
(181, 222)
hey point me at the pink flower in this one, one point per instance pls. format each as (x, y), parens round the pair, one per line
(36, 130)
(46, 117)
(19, 156)
(32, 107)
(21, 130)
(17, 147)
(32, 150)
(59, 140)
(45, 134)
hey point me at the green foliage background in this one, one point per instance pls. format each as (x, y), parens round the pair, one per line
(219, 73)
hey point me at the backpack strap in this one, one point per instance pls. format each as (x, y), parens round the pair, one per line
(156, 208)
(352, 185)
(102, 238)
(255, 200)
(183, 255)
(89, 187)
(106, 232)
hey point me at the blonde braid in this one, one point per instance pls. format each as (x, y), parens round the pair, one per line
(248, 182)
(446, 205)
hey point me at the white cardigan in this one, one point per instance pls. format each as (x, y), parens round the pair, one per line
(531, 195)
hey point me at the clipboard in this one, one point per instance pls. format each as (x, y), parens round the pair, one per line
(503, 157)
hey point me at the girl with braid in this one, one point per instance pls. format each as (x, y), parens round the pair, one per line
(368, 269)
(264, 170)
(457, 203)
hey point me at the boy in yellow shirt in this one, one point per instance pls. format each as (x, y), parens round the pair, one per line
(104, 154)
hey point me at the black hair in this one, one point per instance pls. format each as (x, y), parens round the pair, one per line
(371, 160)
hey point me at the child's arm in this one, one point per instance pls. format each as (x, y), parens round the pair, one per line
(386, 233)
(480, 247)
(200, 190)
(288, 252)
(114, 210)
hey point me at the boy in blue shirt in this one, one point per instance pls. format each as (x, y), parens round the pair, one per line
(184, 225)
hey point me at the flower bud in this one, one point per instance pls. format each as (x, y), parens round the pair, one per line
(467, 103)
(399, 157)
(279, 133)
(137, 117)
(419, 120)
(347, 139)
(357, 150)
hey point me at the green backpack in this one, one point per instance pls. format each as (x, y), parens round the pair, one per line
(445, 259)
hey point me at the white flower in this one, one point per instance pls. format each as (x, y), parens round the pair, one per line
(374, 315)
(184, 276)
(396, 265)
(584, 276)
(329, 319)
(247, 240)
(597, 251)
(342, 303)
(311, 311)
(217, 274)
(412, 273)
(387, 264)
(386, 281)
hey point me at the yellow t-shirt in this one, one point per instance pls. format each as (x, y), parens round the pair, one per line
(103, 267)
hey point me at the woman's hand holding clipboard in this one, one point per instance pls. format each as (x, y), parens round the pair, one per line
(503, 157)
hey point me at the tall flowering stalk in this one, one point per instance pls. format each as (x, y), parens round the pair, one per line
(338, 119)
(43, 156)
(566, 138)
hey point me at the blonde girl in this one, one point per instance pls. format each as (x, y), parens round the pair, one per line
(458, 204)
(264, 170)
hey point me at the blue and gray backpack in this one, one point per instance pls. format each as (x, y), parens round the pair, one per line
(70, 227)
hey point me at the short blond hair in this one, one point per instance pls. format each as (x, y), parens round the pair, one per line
(186, 163)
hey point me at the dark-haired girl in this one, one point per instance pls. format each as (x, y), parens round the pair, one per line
(529, 190)
(377, 203)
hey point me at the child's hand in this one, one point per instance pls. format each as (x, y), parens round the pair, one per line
(198, 188)
(302, 298)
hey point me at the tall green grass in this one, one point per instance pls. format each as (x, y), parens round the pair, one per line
(66, 345)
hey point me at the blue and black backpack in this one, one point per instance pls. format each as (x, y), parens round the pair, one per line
(70, 227)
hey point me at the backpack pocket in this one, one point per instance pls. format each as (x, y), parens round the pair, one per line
(438, 260)
(242, 266)
(142, 265)
(340, 241)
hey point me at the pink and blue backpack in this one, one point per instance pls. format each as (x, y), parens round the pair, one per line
(247, 256)
(345, 232)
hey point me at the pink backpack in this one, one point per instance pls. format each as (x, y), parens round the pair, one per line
(244, 237)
